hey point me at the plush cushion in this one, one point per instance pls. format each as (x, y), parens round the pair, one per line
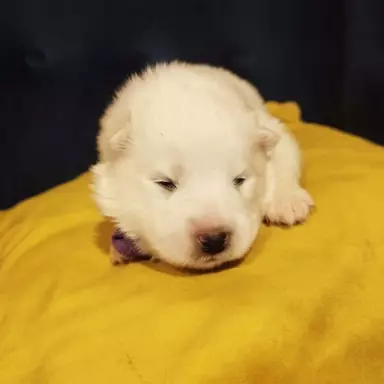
(305, 307)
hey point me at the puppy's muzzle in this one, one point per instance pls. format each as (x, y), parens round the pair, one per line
(214, 242)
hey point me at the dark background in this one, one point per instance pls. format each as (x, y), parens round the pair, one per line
(61, 60)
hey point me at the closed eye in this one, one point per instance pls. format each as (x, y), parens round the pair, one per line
(239, 181)
(167, 184)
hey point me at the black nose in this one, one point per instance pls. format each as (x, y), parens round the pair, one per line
(214, 243)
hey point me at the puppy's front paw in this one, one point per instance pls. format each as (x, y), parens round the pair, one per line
(288, 206)
(117, 258)
(126, 249)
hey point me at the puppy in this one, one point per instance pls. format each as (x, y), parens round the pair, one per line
(191, 162)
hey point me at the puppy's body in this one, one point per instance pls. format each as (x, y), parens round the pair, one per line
(191, 162)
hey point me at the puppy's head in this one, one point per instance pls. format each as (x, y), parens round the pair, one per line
(183, 170)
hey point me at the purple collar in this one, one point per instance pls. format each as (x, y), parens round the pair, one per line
(127, 247)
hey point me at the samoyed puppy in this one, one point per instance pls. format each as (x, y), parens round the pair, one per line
(191, 162)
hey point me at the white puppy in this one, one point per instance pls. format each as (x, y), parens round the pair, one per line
(191, 162)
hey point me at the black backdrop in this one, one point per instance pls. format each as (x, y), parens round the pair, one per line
(61, 60)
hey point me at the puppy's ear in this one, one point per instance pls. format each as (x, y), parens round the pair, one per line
(119, 140)
(267, 140)
(102, 189)
(114, 132)
(268, 134)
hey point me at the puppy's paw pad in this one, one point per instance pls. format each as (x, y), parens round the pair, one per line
(289, 207)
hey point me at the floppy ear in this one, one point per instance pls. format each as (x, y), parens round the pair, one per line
(102, 190)
(269, 131)
(114, 132)
(267, 140)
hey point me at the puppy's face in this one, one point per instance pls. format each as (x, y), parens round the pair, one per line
(193, 196)
(186, 175)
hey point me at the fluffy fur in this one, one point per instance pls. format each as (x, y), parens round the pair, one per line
(207, 131)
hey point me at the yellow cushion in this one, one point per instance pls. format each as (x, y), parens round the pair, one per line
(306, 307)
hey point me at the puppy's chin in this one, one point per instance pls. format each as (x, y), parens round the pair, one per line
(199, 263)
(200, 266)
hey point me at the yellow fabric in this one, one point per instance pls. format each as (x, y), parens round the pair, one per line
(306, 307)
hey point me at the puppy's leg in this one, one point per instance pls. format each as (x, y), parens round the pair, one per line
(286, 201)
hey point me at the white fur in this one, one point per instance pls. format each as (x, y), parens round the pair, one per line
(201, 127)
